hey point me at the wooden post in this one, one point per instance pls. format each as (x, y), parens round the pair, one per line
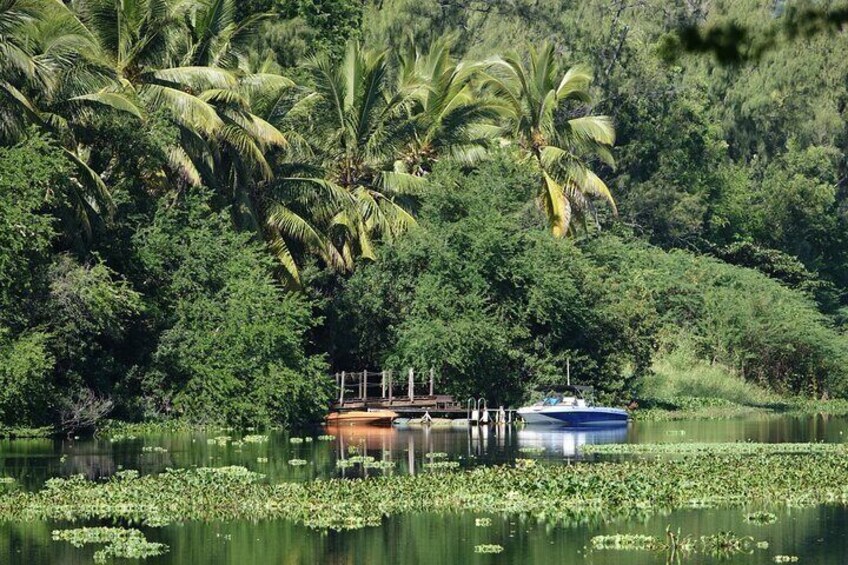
(341, 390)
(383, 384)
(411, 385)
(391, 394)
(364, 385)
(432, 373)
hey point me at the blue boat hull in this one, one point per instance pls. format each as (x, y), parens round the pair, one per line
(574, 417)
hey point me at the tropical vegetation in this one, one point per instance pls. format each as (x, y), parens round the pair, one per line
(207, 206)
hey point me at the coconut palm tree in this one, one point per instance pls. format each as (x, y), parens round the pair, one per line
(535, 101)
(49, 67)
(359, 128)
(450, 119)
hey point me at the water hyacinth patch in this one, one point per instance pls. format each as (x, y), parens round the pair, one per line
(532, 450)
(220, 440)
(626, 542)
(153, 449)
(785, 558)
(255, 439)
(488, 548)
(607, 491)
(441, 465)
(524, 463)
(115, 438)
(119, 542)
(436, 455)
(295, 440)
(383, 465)
(761, 518)
(261, 459)
(297, 462)
(326, 437)
(737, 448)
(482, 522)
(720, 544)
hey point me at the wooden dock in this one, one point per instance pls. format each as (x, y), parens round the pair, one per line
(409, 394)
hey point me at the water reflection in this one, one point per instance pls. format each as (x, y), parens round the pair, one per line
(567, 442)
(31, 462)
(816, 535)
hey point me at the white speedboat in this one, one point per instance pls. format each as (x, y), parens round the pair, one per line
(572, 410)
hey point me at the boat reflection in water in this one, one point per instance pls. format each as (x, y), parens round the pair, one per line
(567, 441)
(412, 448)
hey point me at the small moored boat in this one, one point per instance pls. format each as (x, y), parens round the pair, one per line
(572, 409)
(362, 417)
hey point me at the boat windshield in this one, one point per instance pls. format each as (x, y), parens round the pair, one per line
(557, 399)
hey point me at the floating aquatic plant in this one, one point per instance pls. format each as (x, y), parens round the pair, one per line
(748, 448)
(295, 440)
(361, 459)
(532, 449)
(626, 542)
(437, 465)
(524, 463)
(255, 439)
(220, 440)
(761, 517)
(379, 465)
(482, 522)
(261, 459)
(118, 437)
(297, 462)
(153, 449)
(326, 437)
(488, 548)
(6, 480)
(720, 544)
(436, 455)
(785, 558)
(119, 542)
(607, 491)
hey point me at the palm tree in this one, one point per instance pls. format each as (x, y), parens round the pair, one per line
(49, 66)
(451, 120)
(534, 101)
(359, 129)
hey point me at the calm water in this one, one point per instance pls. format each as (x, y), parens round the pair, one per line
(815, 535)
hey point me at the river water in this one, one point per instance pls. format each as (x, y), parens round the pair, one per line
(814, 535)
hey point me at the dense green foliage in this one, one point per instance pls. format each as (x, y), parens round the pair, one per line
(206, 206)
(484, 295)
(232, 345)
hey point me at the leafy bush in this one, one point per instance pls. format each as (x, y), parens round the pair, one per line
(29, 173)
(770, 334)
(26, 389)
(233, 343)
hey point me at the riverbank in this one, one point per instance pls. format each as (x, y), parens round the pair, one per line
(691, 408)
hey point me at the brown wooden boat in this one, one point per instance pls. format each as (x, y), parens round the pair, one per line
(361, 417)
